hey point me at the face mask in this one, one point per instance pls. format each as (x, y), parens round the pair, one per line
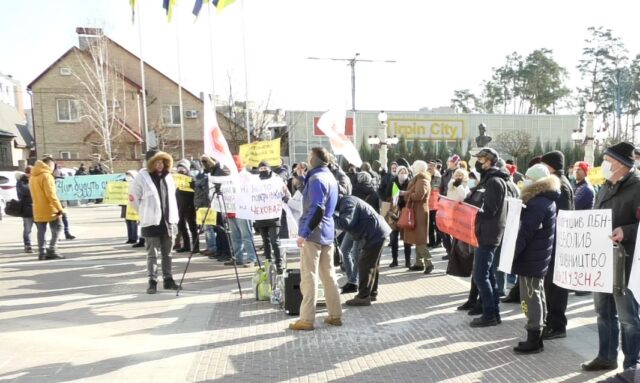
(264, 173)
(528, 183)
(478, 167)
(471, 184)
(402, 178)
(393, 173)
(606, 170)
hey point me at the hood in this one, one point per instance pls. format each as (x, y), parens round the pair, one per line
(549, 185)
(40, 168)
(207, 161)
(160, 156)
(495, 172)
(132, 173)
(184, 163)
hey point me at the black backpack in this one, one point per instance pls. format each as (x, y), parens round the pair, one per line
(14, 208)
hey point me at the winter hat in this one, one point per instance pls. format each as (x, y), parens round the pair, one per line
(461, 172)
(401, 167)
(27, 170)
(537, 171)
(533, 161)
(150, 153)
(419, 166)
(555, 159)
(584, 167)
(489, 154)
(403, 162)
(623, 153)
(511, 168)
(376, 165)
(455, 159)
(263, 163)
(238, 161)
(363, 178)
(185, 164)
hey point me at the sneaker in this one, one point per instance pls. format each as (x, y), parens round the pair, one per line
(170, 284)
(28, 249)
(357, 301)
(466, 306)
(139, 244)
(349, 288)
(428, 269)
(333, 321)
(69, 236)
(484, 322)
(153, 287)
(301, 325)
(550, 333)
(599, 364)
(52, 254)
(416, 268)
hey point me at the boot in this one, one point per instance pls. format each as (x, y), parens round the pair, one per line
(52, 254)
(69, 237)
(153, 287)
(466, 306)
(301, 325)
(394, 263)
(513, 296)
(170, 284)
(532, 345)
(333, 321)
(357, 301)
(416, 268)
(28, 249)
(140, 243)
(428, 269)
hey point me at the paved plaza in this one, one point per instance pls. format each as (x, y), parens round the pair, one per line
(88, 318)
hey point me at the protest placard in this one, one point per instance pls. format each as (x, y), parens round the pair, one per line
(206, 216)
(116, 193)
(132, 215)
(251, 154)
(510, 235)
(183, 182)
(84, 187)
(634, 277)
(260, 199)
(584, 251)
(457, 219)
(225, 201)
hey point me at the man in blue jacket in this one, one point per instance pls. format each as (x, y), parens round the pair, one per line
(585, 196)
(315, 236)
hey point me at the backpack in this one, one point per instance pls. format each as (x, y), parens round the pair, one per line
(14, 208)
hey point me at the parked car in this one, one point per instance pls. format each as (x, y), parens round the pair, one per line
(7, 189)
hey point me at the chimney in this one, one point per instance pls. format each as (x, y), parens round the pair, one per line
(17, 94)
(86, 34)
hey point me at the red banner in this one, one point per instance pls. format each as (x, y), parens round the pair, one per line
(458, 220)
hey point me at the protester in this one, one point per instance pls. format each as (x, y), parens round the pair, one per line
(269, 228)
(366, 226)
(24, 196)
(515, 174)
(299, 171)
(153, 195)
(365, 190)
(402, 181)
(47, 209)
(457, 188)
(533, 250)
(132, 226)
(81, 170)
(386, 182)
(618, 312)
(57, 174)
(417, 198)
(345, 185)
(435, 236)
(453, 164)
(316, 237)
(489, 196)
(375, 177)
(187, 213)
(557, 297)
(241, 236)
(217, 241)
(584, 195)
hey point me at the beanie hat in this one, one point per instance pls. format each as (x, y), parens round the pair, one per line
(511, 168)
(184, 163)
(455, 159)
(555, 159)
(622, 152)
(402, 167)
(403, 162)
(150, 153)
(419, 166)
(238, 161)
(533, 161)
(263, 163)
(363, 178)
(537, 171)
(584, 167)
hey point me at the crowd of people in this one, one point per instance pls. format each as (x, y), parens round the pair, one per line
(357, 213)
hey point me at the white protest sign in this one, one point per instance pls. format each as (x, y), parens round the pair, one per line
(258, 199)
(584, 251)
(227, 196)
(510, 235)
(634, 277)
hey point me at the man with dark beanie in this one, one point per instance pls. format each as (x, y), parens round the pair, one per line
(153, 195)
(621, 194)
(556, 321)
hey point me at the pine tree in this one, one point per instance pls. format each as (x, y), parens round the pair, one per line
(548, 147)
(443, 152)
(365, 151)
(429, 150)
(597, 157)
(568, 151)
(458, 148)
(558, 144)
(417, 153)
(402, 147)
(537, 150)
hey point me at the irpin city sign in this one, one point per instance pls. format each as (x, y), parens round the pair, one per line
(428, 129)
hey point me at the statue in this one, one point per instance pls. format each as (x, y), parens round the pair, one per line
(483, 140)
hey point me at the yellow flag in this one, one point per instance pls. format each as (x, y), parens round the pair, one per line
(222, 4)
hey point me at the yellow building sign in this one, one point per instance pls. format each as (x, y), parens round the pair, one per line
(428, 129)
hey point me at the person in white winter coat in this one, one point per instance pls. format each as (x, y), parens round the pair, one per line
(457, 188)
(153, 195)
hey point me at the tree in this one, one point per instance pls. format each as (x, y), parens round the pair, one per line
(464, 101)
(548, 147)
(569, 154)
(543, 82)
(443, 152)
(558, 144)
(365, 151)
(458, 148)
(416, 151)
(537, 149)
(429, 150)
(515, 143)
(402, 147)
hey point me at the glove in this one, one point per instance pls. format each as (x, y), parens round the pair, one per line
(457, 182)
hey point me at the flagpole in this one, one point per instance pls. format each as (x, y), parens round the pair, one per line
(180, 92)
(144, 88)
(246, 77)
(213, 88)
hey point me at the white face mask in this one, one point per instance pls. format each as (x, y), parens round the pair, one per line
(402, 178)
(471, 184)
(393, 173)
(528, 183)
(606, 170)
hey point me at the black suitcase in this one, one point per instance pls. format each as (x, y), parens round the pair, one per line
(292, 293)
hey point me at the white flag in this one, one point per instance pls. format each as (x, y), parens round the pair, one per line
(215, 145)
(331, 123)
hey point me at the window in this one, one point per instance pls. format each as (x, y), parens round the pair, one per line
(5, 160)
(68, 110)
(171, 115)
(65, 71)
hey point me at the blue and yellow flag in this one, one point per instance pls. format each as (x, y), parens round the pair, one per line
(168, 7)
(133, 10)
(222, 4)
(197, 7)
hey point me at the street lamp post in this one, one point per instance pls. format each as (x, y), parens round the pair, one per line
(590, 108)
(382, 117)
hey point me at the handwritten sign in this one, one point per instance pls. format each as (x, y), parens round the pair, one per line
(116, 193)
(457, 219)
(182, 182)
(259, 200)
(584, 252)
(251, 154)
(510, 235)
(132, 215)
(634, 277)
(225, 201)
(84, 187)
(206, 216)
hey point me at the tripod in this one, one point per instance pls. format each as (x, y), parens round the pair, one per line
(217, 193)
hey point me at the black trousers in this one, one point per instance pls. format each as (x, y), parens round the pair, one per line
(368, 264)
(435, 235)
(394, 237)
(271, 240)
(188, 217)
(557, 298)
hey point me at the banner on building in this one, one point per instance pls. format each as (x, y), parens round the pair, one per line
(634, 277)
(251, 154)
(116, 193)
(510, 235)
(84, 187)
(457, 219)
(183, 182)
(584, 251)
(258, 199)
(436, 129)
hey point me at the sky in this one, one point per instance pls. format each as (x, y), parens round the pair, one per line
(439, 46)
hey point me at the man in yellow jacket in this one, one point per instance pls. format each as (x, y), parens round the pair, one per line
(47, 209)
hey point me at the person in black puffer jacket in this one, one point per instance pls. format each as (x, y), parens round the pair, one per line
(533, 250)
(187, 213)
(24, 196)
(365, 190)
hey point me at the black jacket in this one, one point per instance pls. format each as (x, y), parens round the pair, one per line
(446, 177)
(358, 218)
(386, 184)
(268, 222)
(623, 199)
(537, 228)
(345, 186)
(566, 200)
(366, 192)
(24, 195)
(489, 196)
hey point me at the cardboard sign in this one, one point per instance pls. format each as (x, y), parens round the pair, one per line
(510, 235)
(116, 193)
(225, 201)
(584, 251)
(182, 182)
(206, 216)
(457, 219)
(634, 278)
(132, 215)
(260, 200)
(84, 187)
(251, 154)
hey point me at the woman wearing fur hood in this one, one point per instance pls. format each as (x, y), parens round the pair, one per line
(533, 250)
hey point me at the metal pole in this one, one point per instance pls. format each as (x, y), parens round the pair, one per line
(383, 145)
(180, 93)
(246, 76)
(353, 84)
(144, 88)
(588, 147)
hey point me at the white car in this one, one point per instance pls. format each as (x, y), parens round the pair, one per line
(7, 189)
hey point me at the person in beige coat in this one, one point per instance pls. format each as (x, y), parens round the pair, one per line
(417, 196)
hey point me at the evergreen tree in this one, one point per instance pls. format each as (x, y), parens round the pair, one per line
(568, 151)
(558, 145)
(537, 150)
(597, 157)
(402, 148)
(458, 148)
(548, 147)
(578, 153)
(443, 152)
(429, 150)
(417, 153)
(365, 151)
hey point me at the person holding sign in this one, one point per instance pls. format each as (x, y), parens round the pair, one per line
(187, 211)
(621, 194)
(153, 195)
(270, 228)
(533, 250)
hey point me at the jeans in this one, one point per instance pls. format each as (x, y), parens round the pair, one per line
(501, 277)
(27, 225)
(271, 241)
(159, 246)
(132, 230)
(485, 279)
(210, 236)
(368, 263)
(612, 309)
(56, 228)
(242, 240)
(350, 251)
(65, 222)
